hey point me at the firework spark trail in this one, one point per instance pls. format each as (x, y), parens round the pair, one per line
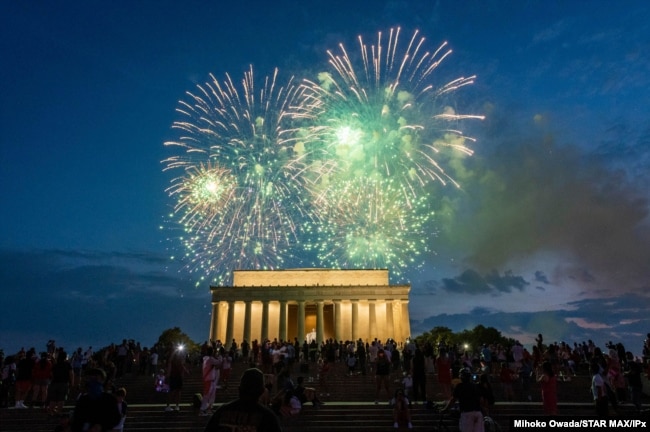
(241, 171)
(389, 118)
(370, 224)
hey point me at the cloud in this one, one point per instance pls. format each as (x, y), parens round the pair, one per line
(581, 322)
(541, 277)
(617, 322)
(471, 282)
(506, 282)
(95, 298)
(91, 273)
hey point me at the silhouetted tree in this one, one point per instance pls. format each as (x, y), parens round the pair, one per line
(473, 339)
(174, 338)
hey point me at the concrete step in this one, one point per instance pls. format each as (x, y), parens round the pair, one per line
(349, 407)
(335, 416)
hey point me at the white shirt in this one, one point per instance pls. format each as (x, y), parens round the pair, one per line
(211, 367)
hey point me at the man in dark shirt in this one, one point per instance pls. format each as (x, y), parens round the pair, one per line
(633, 371)
(469, 395)
(95, 410)
(245, 413)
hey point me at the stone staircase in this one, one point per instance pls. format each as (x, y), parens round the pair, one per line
(349, 407)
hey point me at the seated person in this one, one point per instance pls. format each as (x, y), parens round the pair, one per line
(266, 398)
(291, 406)
(401, 411)
(306, 394)
(160, 383)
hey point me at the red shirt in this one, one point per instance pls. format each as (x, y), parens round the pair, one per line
(42, 370)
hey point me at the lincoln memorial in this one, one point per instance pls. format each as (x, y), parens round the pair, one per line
(310, 303)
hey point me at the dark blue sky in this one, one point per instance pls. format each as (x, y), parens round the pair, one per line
(550, 229)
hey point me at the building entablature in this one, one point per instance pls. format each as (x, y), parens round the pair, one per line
(310, 294)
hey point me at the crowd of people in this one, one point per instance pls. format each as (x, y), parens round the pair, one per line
(486, 367)
(47, 380)
(401, 371)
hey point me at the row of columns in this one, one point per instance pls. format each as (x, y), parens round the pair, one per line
(320, 321)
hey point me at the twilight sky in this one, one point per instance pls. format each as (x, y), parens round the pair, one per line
(549, 232)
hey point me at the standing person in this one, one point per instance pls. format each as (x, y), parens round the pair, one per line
(598, 391)
(77, 363)
(177, 372)
(407, 383)
(525, 372)
(372, 354)
(352, 363)
(7, 380)
(122, 351)
(41, 378)
(226, 367)
(88, 358)
(470, 399)
(615, 376)
(361, 354)
(143, 361)
(211, 366)
(62, 380)
(443, 367)
(548, 381)
(382, 374)
(246, 413)
(517, 351)
(323, 377)
(24, 368)
(633, 374)
(153, 362)
(95, 409)
(507, 376)
(487, 394)
(419, 373)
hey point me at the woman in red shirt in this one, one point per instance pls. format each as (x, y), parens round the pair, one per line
(41, 376)
(443, 366)
(548, 381)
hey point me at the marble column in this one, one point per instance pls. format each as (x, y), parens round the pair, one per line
(390, 326)
(301, 321)
(320, 322)
(214, 328)
(372, 320)
(338, 321)
(405, 324)
(283, 320)
(397, 321)
(355, 320)
(231, 323)
(265, 320)
(247, 321)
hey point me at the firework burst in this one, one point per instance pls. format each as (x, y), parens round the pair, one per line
(382, 114)
(335, 171)
(237, 197)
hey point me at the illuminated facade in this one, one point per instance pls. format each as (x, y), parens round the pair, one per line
(288, 304)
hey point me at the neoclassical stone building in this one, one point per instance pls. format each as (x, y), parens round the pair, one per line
(306, 303)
